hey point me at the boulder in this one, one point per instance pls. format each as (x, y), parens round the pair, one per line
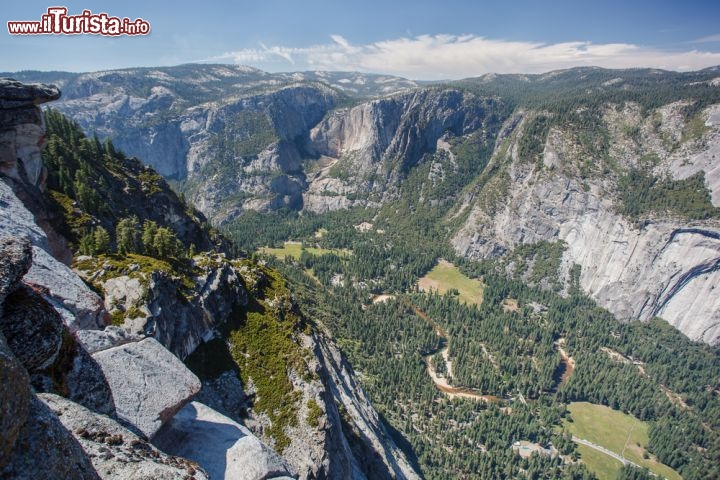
(14, 94)
(99, 340)
(45, 450)
(14, 400)
(149, 384)
(224, 448)
(79, 306)
(116, 452)
(33, 329)
(15, 259)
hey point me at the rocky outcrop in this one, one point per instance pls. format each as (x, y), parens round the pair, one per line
(79, 306)
(148, 383)
(357, 434)
(665, 267)
(14, 400)
(367, 150)
(22, 131)
(222, 447)
(116, 452)
(218, 291)
(179, 309)
(45, 449)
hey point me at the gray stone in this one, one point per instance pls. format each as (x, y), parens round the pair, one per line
(111, 336)
(33, 329)
(149, 384)
(45, 450)
(79, 306)
(14, 400)
(14, 94)
(116, 452)
(15, 260)
(224, 448)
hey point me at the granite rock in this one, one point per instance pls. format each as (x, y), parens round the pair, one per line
(116, 452)
(224, 448)
(149, 384)
(33, 329)
(46, 450)
(14, 400)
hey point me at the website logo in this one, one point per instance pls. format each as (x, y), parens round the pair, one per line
(57, 22)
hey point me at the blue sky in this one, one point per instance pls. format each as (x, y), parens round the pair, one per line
(416, 39)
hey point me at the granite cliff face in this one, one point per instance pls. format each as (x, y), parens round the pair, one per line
(366, 151)
(661, 265)
(234, 134)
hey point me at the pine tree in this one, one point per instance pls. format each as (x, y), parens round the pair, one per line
(148, 237)
(164, 242)
(101, 239)
(128, 235)
(87, 245)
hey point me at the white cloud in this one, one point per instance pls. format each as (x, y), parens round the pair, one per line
(430, 57)
(708, 39)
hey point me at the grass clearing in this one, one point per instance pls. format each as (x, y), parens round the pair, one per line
(295, 249)
(445, 277)
(616, 431)
(603, 466)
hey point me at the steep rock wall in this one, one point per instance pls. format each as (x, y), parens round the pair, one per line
(663, 267)
(364, 152)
